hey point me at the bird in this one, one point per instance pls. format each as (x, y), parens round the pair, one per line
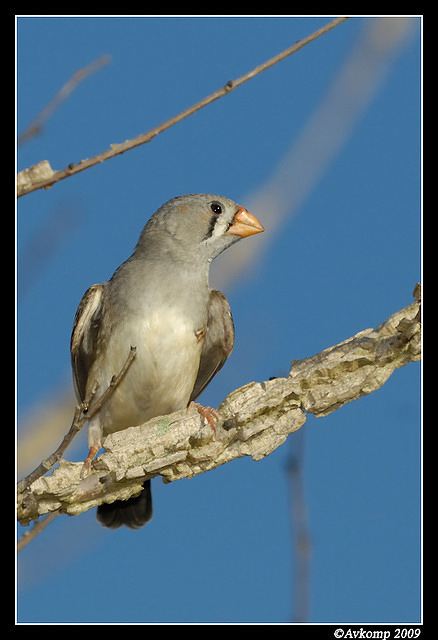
(159, 302)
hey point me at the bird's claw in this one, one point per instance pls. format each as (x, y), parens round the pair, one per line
(206, 412)
(86, 467)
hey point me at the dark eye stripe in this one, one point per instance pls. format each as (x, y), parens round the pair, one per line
(216, 208)
(211, 226)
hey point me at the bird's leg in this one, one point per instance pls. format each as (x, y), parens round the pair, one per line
(91, 455)
(94, 443)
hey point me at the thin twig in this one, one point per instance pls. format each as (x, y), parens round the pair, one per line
(38, 526)
(81, 416)
(35, 127)
(29, 183)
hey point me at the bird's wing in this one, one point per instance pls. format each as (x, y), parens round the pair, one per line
(218, 341)
(84, 336)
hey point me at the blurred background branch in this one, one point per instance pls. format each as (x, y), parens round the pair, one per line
(36, 126)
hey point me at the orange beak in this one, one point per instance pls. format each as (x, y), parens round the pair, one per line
(245, 224)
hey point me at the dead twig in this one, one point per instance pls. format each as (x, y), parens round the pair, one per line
(37, 528)
(42, 176)
(81, 416)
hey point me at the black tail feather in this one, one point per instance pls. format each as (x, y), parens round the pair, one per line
(133, 513)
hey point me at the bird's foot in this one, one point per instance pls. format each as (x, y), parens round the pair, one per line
(208, 413)
(86, 467)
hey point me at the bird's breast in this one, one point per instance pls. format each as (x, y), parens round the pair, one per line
(162, 375)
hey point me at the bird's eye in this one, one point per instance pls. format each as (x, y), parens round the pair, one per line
(216, 208)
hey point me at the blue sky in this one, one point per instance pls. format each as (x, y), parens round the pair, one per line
(324, 148)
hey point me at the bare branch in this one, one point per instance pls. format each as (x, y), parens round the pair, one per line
(37, 528)
(33, 179)
(253, 421)
(81, 416)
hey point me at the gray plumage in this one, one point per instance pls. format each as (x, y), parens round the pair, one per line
(159, 301)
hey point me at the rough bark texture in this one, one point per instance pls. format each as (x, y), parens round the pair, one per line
(253, 421)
